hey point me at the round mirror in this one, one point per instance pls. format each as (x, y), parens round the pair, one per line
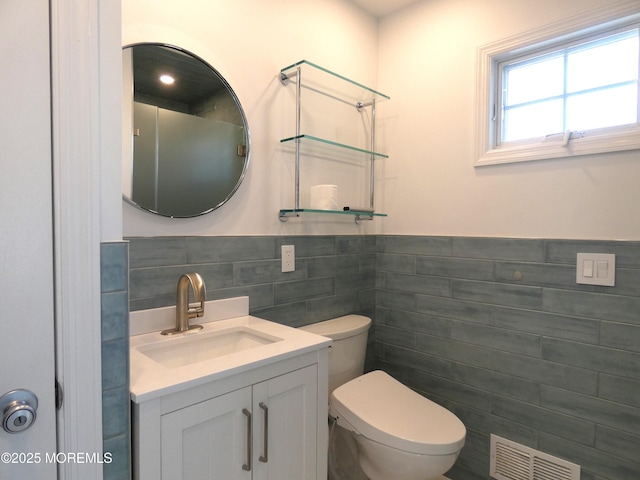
(186, 136)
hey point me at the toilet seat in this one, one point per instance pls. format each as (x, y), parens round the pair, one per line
(386, 411)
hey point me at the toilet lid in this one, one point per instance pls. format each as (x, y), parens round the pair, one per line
(385, 411)
(341, 327)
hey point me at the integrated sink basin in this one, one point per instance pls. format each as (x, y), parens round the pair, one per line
(231, 343)
(200, 346)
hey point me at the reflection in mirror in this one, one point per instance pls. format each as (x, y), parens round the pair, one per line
(186, 139)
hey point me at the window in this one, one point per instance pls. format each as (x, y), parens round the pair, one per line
(571, 89)
(586, 86)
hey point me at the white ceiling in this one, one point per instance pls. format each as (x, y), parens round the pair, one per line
(380, 8)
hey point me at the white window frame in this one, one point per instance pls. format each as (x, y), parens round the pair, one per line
(488, 150)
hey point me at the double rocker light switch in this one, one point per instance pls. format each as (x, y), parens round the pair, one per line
(596, 269)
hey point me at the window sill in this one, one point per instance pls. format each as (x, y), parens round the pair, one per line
(542, 149)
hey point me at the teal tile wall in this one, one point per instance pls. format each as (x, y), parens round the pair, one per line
(531, 356)
(498, 331)
(116, 431)
(335, 275)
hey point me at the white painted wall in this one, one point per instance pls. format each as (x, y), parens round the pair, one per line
(110, 73)
(249, 41)
(430, 186)
(424, 58)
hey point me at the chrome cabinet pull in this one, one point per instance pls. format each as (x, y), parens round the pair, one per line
(265, 458)
(247, 466)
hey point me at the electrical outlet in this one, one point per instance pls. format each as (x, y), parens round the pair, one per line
(288, 258)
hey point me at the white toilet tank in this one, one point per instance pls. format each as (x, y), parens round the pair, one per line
(347, 354)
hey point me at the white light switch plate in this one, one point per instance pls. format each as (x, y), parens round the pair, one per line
(596, 269)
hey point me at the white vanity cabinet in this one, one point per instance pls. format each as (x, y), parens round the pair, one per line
(266, 423)
(265, 431)
(241, 399)
(206, 440)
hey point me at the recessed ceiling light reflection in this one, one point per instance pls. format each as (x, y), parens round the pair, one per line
(167, 79)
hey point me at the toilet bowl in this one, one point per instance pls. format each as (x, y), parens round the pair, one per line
(400, 435)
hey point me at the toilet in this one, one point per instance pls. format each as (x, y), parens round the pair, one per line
(400, 434)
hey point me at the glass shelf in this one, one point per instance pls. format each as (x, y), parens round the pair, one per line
(331, 82)
(296, 212)
(321, 141)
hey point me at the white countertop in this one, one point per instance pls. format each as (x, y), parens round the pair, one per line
(150, 380)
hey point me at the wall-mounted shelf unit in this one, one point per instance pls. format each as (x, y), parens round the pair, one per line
(338, 88)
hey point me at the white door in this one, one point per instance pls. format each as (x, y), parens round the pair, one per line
(26, 244)
(209, 440)
(286, 408)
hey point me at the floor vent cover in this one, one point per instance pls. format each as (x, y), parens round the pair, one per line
(512, 461)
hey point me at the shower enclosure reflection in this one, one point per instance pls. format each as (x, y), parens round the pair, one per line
(186, 137)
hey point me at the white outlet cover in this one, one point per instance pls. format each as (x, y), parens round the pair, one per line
(288, 254)
(596, 269)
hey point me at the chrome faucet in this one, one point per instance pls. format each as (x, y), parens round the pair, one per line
(185, 310)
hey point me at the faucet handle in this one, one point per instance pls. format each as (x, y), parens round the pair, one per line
(199, 294)
(196, 309)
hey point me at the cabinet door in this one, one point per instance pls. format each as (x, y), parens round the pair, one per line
(291, 443)
(208, 440)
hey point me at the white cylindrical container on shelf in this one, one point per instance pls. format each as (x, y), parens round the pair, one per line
(324, 197)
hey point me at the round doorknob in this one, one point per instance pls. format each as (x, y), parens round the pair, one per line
(18, 409)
